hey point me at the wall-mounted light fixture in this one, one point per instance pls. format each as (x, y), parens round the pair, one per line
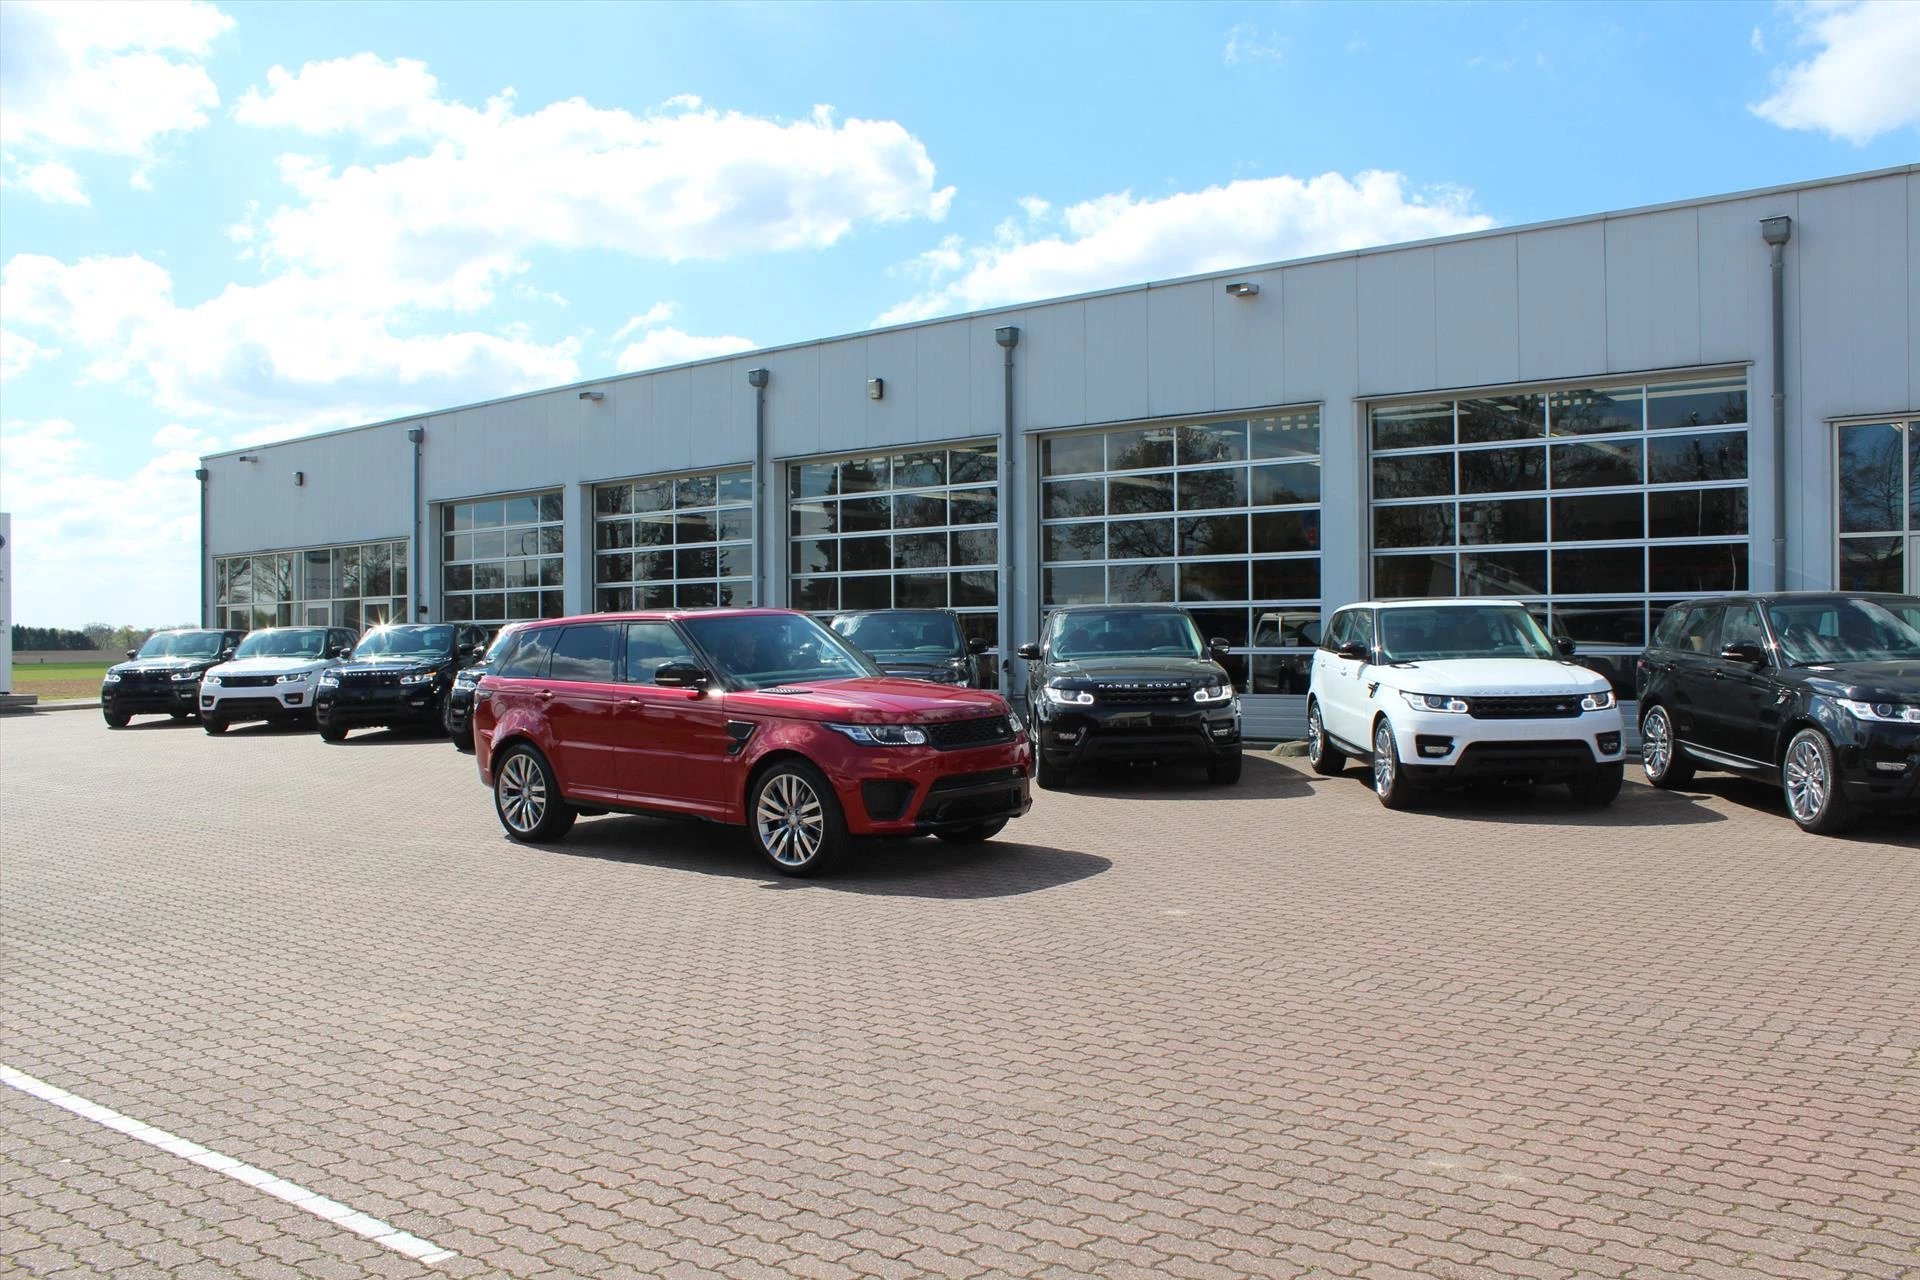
(247, 457)
(756, 377)
(1243, 289)
(595, 396)
(299, 478)
(876, 388)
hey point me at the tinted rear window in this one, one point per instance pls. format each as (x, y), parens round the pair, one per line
(586, 653)
(529, 657)
(1668, 631)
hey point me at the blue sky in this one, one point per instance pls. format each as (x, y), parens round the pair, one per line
(221, 224)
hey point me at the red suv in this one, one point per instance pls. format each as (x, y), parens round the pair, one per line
(754, 717)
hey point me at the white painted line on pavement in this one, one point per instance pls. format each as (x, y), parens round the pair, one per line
(279, 1188)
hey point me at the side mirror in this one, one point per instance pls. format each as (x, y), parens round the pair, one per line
(1564, 644)
(1029, 651)
(1354, 651)
(976, 645)
(226, 655)
(133, 653)
(1746, 651)
(343, 653)
(681, 675)
(479, 652)
(1218, 648)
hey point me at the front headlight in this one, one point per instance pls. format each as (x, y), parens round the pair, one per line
(211, 679)
(1014, 722)
(293, 677)
(179, 677)
(1214, 693)
(1891, 712)
(1601, 701)
(1436, 702)
(1067, 697)
(882, 735)
(330, 677)
(112, 677)
(420, 677)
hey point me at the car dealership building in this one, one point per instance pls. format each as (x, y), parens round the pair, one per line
(1598, 416)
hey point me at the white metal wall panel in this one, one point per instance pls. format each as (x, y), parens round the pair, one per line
(1653, 291)
(1117, 357)
(1854, 300)
(1477, 320)
(1735, 297)
(895, 417)
(722, 414)
(793, 402)
(355, 489)
(1180, 348)
(1050, 367)
(1249, 349)
(941, 362)
(1913, 291)
(1563, 301)
(1397, 320)
(843, 398)
(1319, 319)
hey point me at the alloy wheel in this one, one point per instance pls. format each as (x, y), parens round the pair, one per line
(1316, 734)
(523, 793)
(1656, 743)
(1383, 761)
(1806, 779)
(790, 820)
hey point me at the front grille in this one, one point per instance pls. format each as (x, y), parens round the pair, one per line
(955, 735)
(1144, 693)
(1557, 707)
(357, 681)
(249, 682)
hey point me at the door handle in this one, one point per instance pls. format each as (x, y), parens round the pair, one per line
(633, 702)
(546, 695)
(1719, 675)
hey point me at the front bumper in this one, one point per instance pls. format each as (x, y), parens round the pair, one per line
(924, 791)
(1090, 735)
(361, 705)
(274, 702)
(1442, 747)
(125, 697)
(1880, 769)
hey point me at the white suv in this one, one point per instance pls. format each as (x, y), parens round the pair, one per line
(1450, 691)
(273, 676)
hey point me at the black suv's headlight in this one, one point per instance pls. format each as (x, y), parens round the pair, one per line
(1214, 693)
(1067, 697)
(1886, 712)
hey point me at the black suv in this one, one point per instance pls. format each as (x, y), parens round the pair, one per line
(920, 644)
(162, 676)
(397, 676)
(1129, 683)
(459, 709)
(1817, 692)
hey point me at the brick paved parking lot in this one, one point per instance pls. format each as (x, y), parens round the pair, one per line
(1154, 1030)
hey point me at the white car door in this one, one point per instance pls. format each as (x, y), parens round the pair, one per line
(1340, 703)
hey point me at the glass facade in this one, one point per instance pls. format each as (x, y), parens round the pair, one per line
(1878, 480)
(1219, 516)
(910, 530)
(503, 559)
(670, 542)
(359, 585)
(1593, 504)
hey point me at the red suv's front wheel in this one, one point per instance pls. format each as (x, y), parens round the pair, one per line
(795, 820)
(526, 795)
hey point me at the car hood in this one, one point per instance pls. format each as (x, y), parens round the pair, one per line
(870, 700)
(1866, 681)
(1101, 670)
(390, 666)
(916, 664)
(1490, 677)
(270, 666)
(158, 666)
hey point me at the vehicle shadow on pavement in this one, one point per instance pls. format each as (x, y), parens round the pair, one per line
(388, 737)
(163, 722)
(999, 868)
(1896, 829)
(1262, 779)
(1552, 806)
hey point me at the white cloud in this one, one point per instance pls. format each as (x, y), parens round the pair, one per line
(657, 314)
(1757, 41)
(111, 77)
(49, 180)
(89, 545)
(1247, 43)
(18, 354)
(660, 347)
(481, 188)
(1862, 80)
(1122, 239)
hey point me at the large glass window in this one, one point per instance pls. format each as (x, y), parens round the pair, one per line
(674, 542)
(1877, 473)
(359, 585)
(1593, 504)
(909, 530)
(503, 559)
(1222, 517)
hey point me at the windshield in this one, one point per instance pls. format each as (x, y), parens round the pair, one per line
(936, 635)
(1814, 632)
(1457, 631)
(500, 641)
(1125, 633)
(182, 644)
(409, 643)
(284, 642)
(759, 650)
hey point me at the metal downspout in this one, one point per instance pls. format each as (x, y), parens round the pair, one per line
(202, 475)
(415, 584)
(1776, 232)
(1008, 336)
(757, 379)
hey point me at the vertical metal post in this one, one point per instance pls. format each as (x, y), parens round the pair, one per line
(1776, 232)
(757, 379)
(416, 436)
(1008, 336)
(206, 612)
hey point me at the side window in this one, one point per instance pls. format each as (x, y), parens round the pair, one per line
(1697, 635)
(586, 653)
(650, 646)
(1742, 626)
(528, 659)
(1361, 632)
(1337, 632)
(1667, 634)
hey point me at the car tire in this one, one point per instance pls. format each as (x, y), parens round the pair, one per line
(329, 731)
(462, 742)
(526, 797)
(1599, 788)
(794, 819)
(974, 834)
(1224, 773)
(1050, 775)
(116, 719)
(1663, 760)
(1811, 783)
(1327, 760)
(1390, 781)
(213, 725)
